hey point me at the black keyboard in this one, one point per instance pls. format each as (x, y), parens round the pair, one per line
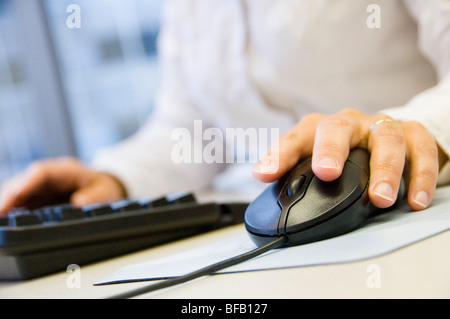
(38, 242)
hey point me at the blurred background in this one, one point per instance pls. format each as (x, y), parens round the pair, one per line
(73, 81)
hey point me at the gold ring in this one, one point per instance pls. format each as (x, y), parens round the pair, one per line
(374, 124)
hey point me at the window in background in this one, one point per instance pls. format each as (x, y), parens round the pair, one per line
(71, 91)
(109, 66)
(20, 134)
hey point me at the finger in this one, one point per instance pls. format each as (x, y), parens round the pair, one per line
(335, 136)
(388, 150)
(293, 145)
(44, 182)
(102, 188)
(422, 155)
(25, 190)
(9, 191)
(34, 180)
(48, 178)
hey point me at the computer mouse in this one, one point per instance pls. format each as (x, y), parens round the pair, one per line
(305, 209)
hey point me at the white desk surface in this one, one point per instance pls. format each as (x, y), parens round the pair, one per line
(421, 270)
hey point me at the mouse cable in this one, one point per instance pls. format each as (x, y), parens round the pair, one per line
(206, 270)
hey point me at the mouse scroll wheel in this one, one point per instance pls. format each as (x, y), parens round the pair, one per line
(295, 185)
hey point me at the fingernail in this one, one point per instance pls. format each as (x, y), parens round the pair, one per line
(384, 190)
(266, 166)
(421, 199)
(327, 162)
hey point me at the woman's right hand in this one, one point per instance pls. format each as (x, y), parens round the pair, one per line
(60, 180)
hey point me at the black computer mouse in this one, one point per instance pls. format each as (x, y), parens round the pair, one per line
(306, 209)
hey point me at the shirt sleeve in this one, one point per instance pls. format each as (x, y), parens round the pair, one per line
(146, 163)
(432, 107)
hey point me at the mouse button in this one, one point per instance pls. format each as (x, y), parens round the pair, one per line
(263, 214)
(360, 157)
(295, 184)
(324, 200)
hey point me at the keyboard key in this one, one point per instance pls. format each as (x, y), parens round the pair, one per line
(45, 213)
(178, 198)
(4, 221)
(67, 212)
(126, 206)
(182, 198)
(25, 218)
(98, 210)
(153, 203)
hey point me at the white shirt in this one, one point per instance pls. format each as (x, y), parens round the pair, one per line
(266, 63)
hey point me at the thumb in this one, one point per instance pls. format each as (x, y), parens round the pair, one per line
(100, 189)
(85, 196)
